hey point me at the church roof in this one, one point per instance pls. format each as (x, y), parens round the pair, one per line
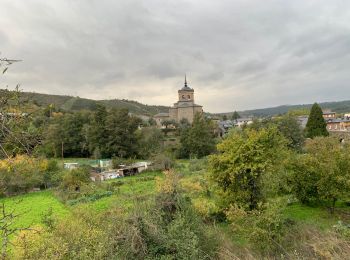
(186, 104)
(162, 115)
(186, 87)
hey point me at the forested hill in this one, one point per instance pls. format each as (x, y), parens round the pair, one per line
(69, 103)
(338, 107)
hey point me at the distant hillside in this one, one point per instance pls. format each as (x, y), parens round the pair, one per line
(69, 103)
(338, 107)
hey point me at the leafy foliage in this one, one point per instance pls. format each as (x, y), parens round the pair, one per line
(101, 134)
(323, 172)
(23, 173)
(266, 228)
(91, 198)
(150, 141)
(243, 160)
(291, 130)
(156, 230)
(197, 140)
(66, 134)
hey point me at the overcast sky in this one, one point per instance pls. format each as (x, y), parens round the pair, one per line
(237, 54)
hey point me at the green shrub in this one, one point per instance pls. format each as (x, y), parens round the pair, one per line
(265, 229)
(116, 161)
(143, 233)
(111, 185)
(23, 173)
(322, 173)
(198, 164)
(343, 229)
(80, 236)
(89, 198)
(162, 162)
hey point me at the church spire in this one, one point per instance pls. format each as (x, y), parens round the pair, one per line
(186, 87)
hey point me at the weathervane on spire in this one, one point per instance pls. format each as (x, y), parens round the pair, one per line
(185, 81)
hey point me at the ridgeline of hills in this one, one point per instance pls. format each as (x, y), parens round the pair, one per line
(69, 103)
(336, 106)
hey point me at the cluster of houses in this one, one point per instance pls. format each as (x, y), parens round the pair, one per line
(102, 170)
(224, 126)
(334, 124)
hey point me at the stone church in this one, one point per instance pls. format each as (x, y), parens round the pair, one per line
(185, 108)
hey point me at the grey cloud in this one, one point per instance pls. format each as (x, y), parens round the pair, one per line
(245, 53)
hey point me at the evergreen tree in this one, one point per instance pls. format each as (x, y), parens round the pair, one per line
(235, 115)
(316, 125)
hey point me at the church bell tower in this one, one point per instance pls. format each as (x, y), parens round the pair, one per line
(186, 94)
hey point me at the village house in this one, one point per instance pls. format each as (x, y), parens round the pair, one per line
(333, 123)
(242, 121)
(338, 125)
(185, 108)
(328, 114)
(225, 126)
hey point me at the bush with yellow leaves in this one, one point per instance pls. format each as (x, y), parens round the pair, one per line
(22, 173)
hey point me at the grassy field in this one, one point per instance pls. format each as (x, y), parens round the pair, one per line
(32, 206)
(132, 188)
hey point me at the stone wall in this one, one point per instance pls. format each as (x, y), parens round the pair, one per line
(173, 113)
(186, 95)
(188, 113)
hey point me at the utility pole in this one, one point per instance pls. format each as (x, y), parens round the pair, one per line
(62, 153)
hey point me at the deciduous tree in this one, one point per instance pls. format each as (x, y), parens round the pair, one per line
(244, 158)
(322, 173)
(291, 130)
(197, 140)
